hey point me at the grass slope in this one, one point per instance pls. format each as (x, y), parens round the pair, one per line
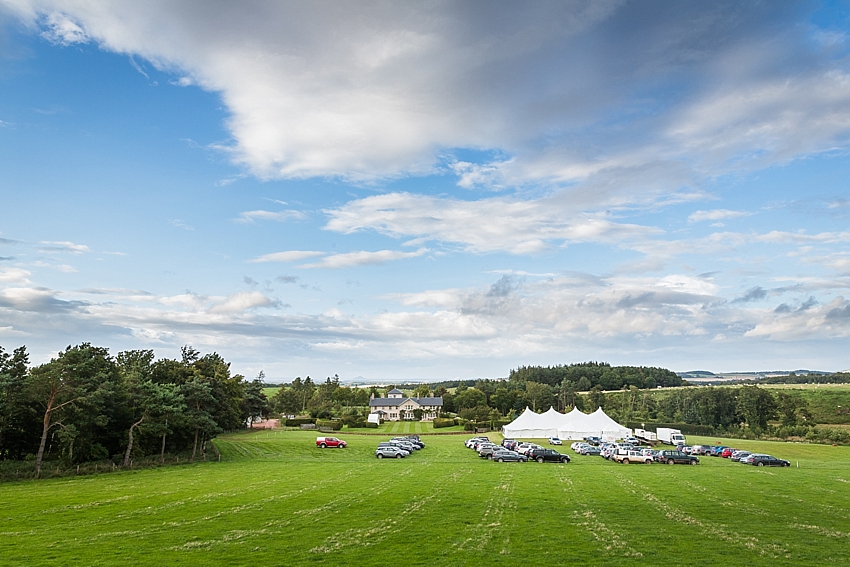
(276, 499)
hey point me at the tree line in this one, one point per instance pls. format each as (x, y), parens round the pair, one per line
(86, 405)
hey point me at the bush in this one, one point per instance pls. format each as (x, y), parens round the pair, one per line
(333, 424)
(298, 421)
(443, 422)
(370, 425)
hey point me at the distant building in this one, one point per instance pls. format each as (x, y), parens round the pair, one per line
(396, 406)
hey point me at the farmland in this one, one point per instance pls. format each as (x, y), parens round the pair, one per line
(276, 499)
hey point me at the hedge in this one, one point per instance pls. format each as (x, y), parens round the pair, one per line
(297, 421)
(333, 424)
(442, 422)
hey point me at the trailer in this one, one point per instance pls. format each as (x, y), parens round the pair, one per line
(648, 437)
(671, 436)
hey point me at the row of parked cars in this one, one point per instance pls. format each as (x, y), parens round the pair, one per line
(629, 453)
(399, 447)
(511, 450)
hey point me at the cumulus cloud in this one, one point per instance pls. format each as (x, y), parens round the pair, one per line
(381, 90)
(288, 256)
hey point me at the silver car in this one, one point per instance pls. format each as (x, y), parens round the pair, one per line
(390, 452)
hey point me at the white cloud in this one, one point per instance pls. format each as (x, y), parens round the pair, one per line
(62, 30)
(288, 256)
(381, 90)
(63, 247)
(242, 301)
(362, 258)
(14, 275)
(716, 214)
(518, 227)
(279, 216)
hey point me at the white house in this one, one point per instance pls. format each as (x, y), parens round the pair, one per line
(397, 406)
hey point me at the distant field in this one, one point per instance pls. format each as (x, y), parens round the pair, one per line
(831, 387)
(276, 499)
(269, 392)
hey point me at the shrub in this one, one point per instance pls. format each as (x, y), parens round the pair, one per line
(333, 424)
(443, 422)
(297, 421)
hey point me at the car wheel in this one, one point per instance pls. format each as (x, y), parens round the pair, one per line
(489, 457)
(398, 456)
(625, 461)
(380, 455)
(540, 460)
(322, 445)
(565, 461)
(501, 460)
(761, 464)
(649, 462)
(670, 461)
(694, 463)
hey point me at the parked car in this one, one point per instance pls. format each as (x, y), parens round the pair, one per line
(593, 440)
(727, 452)
(488, 451)
(505, 456)
(627, 457)
(676, 458)
(768, 461)
(555, 441)
(412, 440)
(401, 449)
(390, 452)
(716, 450)
(738, 455)
(330, 442)
(542, 455)
(631, 440)
(701, 450)
(590, 450)
(470, 442)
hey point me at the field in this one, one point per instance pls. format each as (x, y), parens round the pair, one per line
(275, 499)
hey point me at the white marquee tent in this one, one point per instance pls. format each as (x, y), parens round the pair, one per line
(572, 425)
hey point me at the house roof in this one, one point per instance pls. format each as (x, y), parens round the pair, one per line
(394, 402)
(395, 391)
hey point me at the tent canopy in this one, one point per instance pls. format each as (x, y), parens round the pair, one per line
(572, 425)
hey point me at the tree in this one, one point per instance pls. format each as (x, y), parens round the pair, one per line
(255, 404)
(469, 398)
(15, 410)
(757, 406)
(790, 407)
(422, 391)
(78, 378)
(154, 403)
(596, 397)
(539, 395)
(200, 402)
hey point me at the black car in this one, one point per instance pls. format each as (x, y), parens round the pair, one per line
(548, 456)
(768, 461)
(676, 458)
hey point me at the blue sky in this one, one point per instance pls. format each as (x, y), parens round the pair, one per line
(445, 190)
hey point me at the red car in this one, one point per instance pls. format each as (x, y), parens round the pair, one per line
(330, 442)
(727, 452)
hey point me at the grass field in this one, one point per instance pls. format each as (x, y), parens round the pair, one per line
(276, 499)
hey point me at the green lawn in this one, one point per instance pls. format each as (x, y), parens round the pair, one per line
(276, 499)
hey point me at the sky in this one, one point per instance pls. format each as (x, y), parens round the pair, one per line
(393, 191)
